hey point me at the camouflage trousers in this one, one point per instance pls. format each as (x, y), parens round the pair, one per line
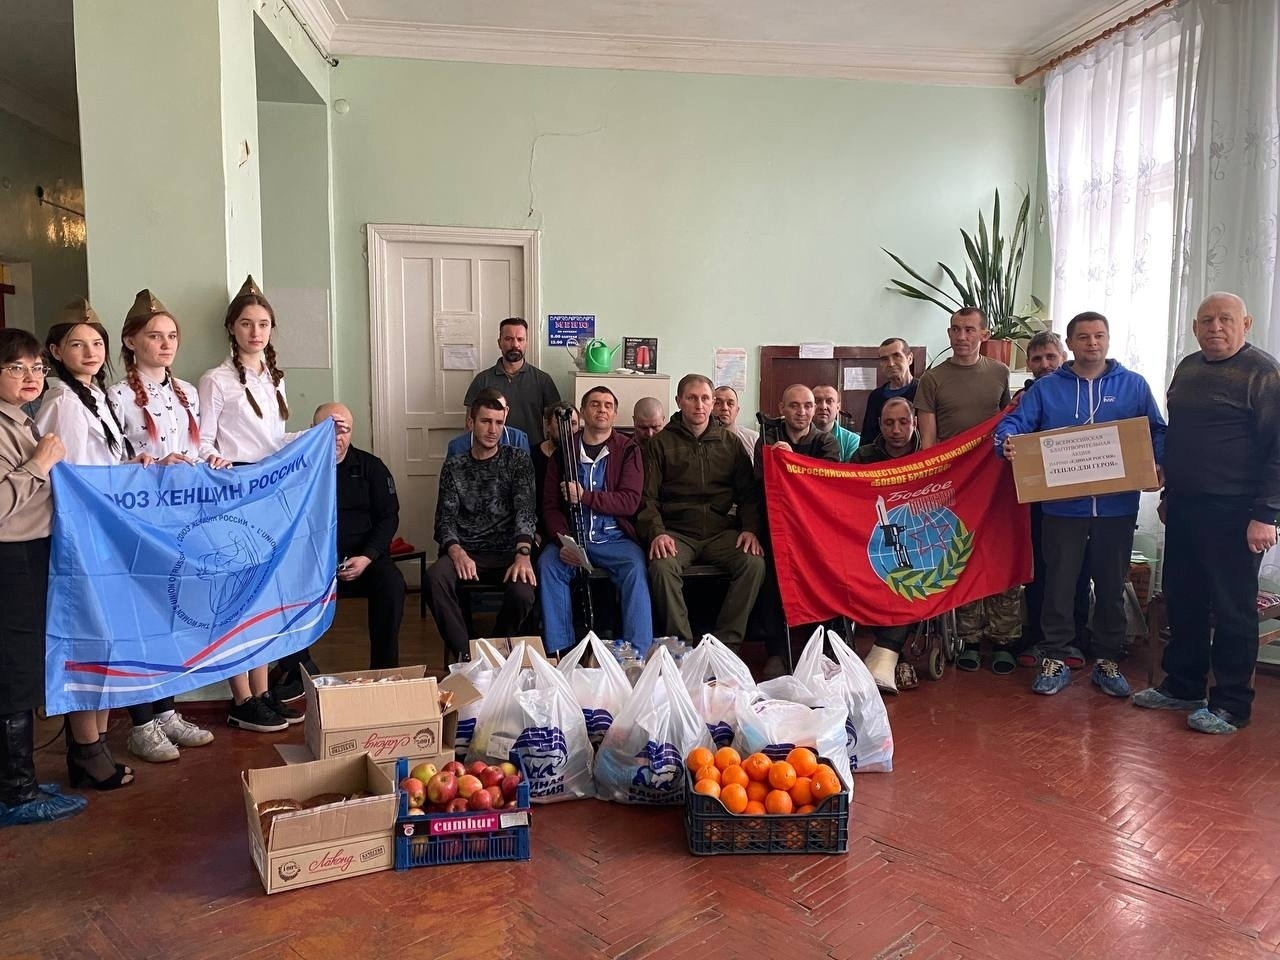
(997, 619)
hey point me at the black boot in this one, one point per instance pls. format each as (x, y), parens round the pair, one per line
(22, 799)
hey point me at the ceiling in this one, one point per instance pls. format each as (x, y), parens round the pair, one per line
(929, 41)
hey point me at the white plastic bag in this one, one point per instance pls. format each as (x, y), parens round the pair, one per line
(642, 757)
(480, 672)
(714, 675)
(870, 738)
(602, 690)
(775, 726)
(533, 712)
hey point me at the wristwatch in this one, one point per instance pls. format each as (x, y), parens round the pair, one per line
(523, 550)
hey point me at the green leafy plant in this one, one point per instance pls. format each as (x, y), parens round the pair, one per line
(992, 269)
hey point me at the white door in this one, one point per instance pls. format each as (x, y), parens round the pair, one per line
(434, 293)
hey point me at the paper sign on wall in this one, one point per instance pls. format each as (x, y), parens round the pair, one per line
(817, 350)
(859, 378)
(730, 368)
(458, 356)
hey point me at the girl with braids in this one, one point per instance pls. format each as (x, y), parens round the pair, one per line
(78, 412)
(243, 412)
(159, 415)
(26, 520)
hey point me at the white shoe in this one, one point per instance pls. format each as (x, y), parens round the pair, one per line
(883, 663)
(149, 743)
(183, 732)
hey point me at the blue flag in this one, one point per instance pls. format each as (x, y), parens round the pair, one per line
(164, 579)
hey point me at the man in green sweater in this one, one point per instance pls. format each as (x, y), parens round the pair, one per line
(1222, 497)
(695, 473)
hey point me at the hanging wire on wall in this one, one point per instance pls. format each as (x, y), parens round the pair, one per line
(40, 196)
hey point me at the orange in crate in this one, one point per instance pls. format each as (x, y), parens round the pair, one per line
(807, 808)
(757, 766)
(804, 760)
(825, 784)
(755, 807)
(734, 797)
(698, 758)
(778, 801)
(708, 772)
(802, 792)
(707, 787)
(734, 774)
(757, 790)
(727, 757)
(782, 776)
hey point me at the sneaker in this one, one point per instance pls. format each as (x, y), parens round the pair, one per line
(1054, 676)
(1153, 698)
(1217, 721)
(47, 806)
(286, 712)
(254, 714)
(148, 742)
(183, 732)
(289, 691)
(1107, 676)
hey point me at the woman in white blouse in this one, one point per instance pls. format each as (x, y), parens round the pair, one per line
(242, 413)
(77, 411)
(158, 413)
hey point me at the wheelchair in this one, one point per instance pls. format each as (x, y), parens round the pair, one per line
(933, 644)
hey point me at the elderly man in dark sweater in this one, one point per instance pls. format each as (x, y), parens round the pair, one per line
(1222, 497)
(485, 519)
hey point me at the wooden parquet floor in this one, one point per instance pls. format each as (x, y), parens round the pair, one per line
(1014, 827)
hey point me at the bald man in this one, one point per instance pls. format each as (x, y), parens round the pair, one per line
(368, 514)
(1222, 498)
(647, 417)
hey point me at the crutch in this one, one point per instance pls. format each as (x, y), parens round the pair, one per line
(569, 473)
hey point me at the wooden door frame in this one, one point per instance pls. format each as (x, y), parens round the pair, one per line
(377, 238)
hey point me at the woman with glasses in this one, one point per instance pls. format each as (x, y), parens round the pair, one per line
(26, 520)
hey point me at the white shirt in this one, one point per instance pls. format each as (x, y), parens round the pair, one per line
(166, 410)
(63, 414)
(229, 423)
(748, 438)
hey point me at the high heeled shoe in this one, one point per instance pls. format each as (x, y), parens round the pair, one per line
(92, 765)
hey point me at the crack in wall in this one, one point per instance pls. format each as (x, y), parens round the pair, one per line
(533, 157)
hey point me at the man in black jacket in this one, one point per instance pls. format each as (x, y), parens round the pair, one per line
(368, 514)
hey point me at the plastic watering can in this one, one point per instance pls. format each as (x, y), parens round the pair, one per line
(597, 357)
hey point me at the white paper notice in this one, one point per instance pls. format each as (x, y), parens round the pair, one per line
(458, 356)
(817, 350)
(859, 378)
(1082, 456)
(730, 368)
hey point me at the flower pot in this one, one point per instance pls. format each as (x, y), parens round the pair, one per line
(1001, 350)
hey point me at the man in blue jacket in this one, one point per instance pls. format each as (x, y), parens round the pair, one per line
(1090, 389)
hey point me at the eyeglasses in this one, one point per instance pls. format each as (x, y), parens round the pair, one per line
(18, 371)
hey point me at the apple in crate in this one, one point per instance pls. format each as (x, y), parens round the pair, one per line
(454, 767)
(491, 776)
(476, 767)
(509, 769)
(457, 805)
(496, 793)
(510, 784)
(415, 789)
(442, 788)
(424, 772)
(469, 786)
(480, 800)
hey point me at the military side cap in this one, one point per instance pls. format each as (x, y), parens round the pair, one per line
(78, 311)
(250, 287)
(145, 306)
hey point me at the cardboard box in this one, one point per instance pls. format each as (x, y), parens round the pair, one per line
(396, 718)
(326, 843)
(1084, 461)
(504, 646)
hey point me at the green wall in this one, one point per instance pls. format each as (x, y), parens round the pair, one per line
(704, 210)
(52, 241)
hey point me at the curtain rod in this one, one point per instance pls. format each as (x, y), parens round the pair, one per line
(1105, 34)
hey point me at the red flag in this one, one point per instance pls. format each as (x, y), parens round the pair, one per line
(895, 542)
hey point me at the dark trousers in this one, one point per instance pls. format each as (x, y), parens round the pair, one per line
(24, 572)
(1098, 547)
(893, 638)
(383, 584)
(1210, 570)
(442, 598)
(1033, 635)
(141, 713)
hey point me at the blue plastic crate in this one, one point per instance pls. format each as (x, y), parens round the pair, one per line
(438, 838)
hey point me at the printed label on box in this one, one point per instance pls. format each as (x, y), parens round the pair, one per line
(1082, 456)
(346, 858)
(465, 823)
(516, 818)
(386, 743)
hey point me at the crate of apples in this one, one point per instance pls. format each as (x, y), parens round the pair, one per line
(755, 804)
(455, 788)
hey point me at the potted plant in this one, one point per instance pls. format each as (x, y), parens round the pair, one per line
(992, 269)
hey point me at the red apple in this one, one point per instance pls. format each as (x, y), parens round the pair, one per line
(416, 812)
(457, 805)
(416, 790)
(469, 786)
(480, 800)
(512, 805)
(509, 769)
(454, 767)
(442, 788)
(491, 776)
(496, 793)
(477, 767)
(510, 785)
(424, 772)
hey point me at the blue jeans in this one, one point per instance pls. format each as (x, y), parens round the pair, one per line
(625, 563)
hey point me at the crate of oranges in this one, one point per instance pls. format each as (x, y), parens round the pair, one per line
(755, 804)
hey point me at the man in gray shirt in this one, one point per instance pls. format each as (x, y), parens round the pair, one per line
(528, 390)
